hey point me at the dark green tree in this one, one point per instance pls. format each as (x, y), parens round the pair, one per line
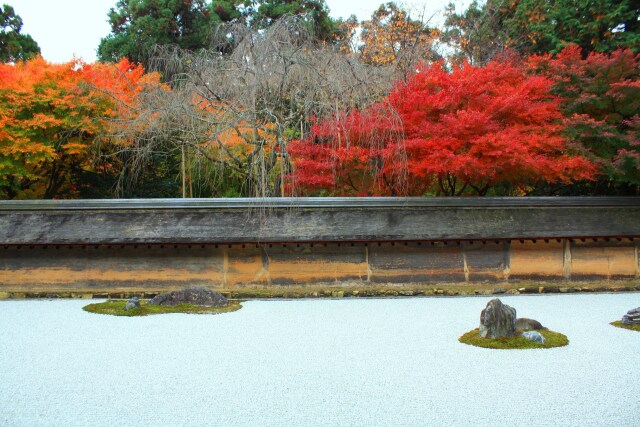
(269, 11)
(593, 25)
(542, 26)
(232, 10)
(138, 25)
(13, 45)
(478, 34)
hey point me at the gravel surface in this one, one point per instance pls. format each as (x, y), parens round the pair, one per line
(386, 362)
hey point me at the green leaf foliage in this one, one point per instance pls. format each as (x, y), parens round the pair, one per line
(138, 25)
(316, 12)
(487, 29)
(13, 45)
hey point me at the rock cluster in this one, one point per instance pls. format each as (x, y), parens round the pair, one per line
(197, 296)
(632, 317)
(497, 320)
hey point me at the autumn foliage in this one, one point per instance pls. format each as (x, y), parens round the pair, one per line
(600, 98)
(50, 114)
(454, 132)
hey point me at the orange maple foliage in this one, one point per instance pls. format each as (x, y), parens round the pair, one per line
(49, 117)
(391, 34)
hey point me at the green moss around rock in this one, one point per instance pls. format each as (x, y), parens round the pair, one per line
(116, 308)
(619, 324)
(517, 342)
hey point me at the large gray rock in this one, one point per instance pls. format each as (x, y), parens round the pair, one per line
(497, 320)
(197, 296)
(534, 336)
(632, 317)
(524, 324)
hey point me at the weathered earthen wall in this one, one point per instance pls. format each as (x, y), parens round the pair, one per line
(124, 268)
(153, 245)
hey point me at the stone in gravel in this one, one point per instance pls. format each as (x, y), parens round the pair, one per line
(497, 320)
(197, 296)
(524, 324)
(534, 336)
(132, 303)
(499, 290)
(632, 317)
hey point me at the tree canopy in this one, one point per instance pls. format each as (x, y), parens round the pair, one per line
(138, 25)
(274, 97)
(485, 30)
(471, 128)
(13, 45)
(50, 117)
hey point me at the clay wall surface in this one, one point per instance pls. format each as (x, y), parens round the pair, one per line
(153, 268)
(132, 246)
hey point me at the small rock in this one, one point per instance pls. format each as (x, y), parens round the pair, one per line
(497, 320)
(524, 324)
(541, 290)
(534, 336)
(337, 294)
(498, 291)
(406, 293)
(132, 303)
(513, 292)
(355, 293)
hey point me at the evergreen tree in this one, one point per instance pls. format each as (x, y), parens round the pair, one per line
(13, 45)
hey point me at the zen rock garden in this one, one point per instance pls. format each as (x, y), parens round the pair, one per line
(500, 328)
(195, 300)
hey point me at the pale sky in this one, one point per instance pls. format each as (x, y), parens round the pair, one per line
(67, 28)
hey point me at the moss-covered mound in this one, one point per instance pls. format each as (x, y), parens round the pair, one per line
(619, 324)
(116, 308)
(553, 339)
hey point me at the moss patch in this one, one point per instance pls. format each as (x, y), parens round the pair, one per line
(619, 324)
(554, 339)
(116, 308)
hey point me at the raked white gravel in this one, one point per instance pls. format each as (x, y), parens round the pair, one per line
(356, 362)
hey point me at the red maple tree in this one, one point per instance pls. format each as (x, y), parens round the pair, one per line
(453, 132)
